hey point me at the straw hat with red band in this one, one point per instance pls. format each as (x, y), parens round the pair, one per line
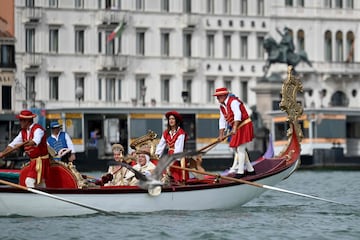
(221, 92)
(175, 114)
(26, 114)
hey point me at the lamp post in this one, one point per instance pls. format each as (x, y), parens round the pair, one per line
(143, 93)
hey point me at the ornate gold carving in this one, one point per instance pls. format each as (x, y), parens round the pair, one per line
(147, 142)
(290, 88)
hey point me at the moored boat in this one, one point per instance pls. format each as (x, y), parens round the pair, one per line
(69, 194)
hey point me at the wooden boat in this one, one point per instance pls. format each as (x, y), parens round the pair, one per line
(69, 194)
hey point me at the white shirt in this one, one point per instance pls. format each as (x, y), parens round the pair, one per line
(38, 134)
(68, 140)
(178, 146)
(235, 107)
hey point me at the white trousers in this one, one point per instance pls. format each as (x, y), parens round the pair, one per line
(241, 159)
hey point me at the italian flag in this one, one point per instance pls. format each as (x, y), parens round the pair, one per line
(117, 31)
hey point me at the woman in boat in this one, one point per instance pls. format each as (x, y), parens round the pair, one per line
(33, 138)
(173, 138)
(234, 114)
(116, 175)
(144, 165)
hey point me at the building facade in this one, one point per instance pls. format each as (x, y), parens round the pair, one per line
(173, 54)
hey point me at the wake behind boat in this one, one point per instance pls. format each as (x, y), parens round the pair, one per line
(69, 194)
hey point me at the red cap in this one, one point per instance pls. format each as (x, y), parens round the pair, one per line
(221, 91)
(25, 114)
(175, 114)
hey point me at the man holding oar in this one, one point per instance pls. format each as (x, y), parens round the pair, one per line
(32, 136)
(234, 114)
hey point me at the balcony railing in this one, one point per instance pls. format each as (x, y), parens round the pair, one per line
(109, 62)
(32, 14)
(111, 16)
(32, 60)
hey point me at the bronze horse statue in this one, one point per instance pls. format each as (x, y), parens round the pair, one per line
(276, 54)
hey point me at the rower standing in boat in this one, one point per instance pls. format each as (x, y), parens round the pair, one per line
(35, 147)
(233, 113)
(173, 138)
(61, 142)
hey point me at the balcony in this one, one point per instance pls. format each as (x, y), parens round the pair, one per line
(111, 17)
(113, 62)
(191, 20)
(32, 15)
(32, 60)
(191, 64)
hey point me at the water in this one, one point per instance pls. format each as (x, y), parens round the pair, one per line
(274, 215)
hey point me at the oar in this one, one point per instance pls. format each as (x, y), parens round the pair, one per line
(14, 148)
(55, 197)
(257, 184)
(213, 144)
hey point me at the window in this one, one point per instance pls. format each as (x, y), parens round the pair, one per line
(99, 42)
(227, 83)
(165, 5)
(79, 3)
(140, 88)
(350, 4)
(6, 97)
(119, 89)
(327, 3)
(54, 40)
(350, 47)
(210, 45)
(260, 48)
(244, 91)
(165, 44)
(79, 86)
(244, 47)
(30, 86)
(30, 40)
(188, 88)
(187, 6)
(327, 45)
(110, 90)
(109, 46)
(288, 3)
(227, 6)
(7, 56)
(99, 88)
(339, 3)
(300, 3)
(139, 5)
(339, 47)
(140, 42)
(227, 46)
(243, 7)
(54, 88)
(30, 3)
(187, 44)
(53, 3)
(260, 8)
(210, 89)
(210, 6)
(301, 40)
(79, 41)
(165, 89)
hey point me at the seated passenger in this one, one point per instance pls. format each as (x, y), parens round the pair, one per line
(116, 173)
(144, 165)
(195, 163)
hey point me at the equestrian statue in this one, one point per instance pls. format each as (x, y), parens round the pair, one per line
(283, 52)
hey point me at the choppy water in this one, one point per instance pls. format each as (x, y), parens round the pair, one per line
(274, 215)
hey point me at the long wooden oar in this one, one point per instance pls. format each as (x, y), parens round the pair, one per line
(257, 185)
(213, 144)
(56, 197)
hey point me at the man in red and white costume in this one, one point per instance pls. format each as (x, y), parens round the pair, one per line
(34, 137)
(174, 139)
(234, 114)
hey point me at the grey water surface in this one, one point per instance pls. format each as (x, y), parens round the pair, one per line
(274, 215)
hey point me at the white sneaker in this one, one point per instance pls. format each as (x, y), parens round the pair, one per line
(232, 170)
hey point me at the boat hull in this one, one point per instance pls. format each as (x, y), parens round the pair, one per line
(216, 196)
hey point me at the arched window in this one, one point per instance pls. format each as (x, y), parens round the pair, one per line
(339, 57)
(301, 40)
(328, 43)
(350, 46)
(339, 99)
